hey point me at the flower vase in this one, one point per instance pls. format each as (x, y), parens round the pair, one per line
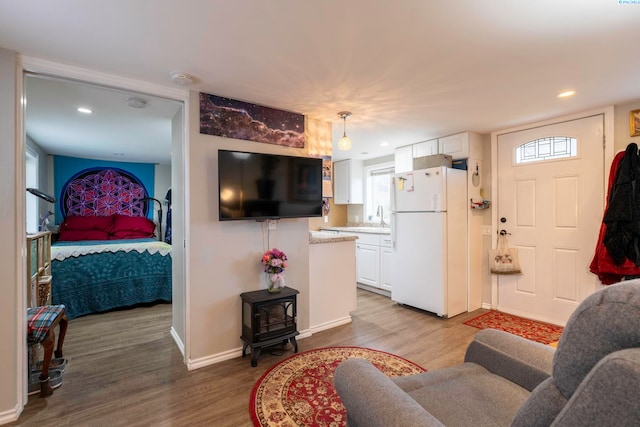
(275, 283)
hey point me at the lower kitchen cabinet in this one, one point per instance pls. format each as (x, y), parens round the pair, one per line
(386, 268)
(374, 260)
(368, 264)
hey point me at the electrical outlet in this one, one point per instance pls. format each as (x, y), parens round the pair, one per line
(326, 218)
(272, 224)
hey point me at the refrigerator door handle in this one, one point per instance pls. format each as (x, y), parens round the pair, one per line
(393, 230)
(393, 193)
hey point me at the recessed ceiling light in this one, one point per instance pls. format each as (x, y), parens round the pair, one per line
(566, 94)
(84, 110)
(384, 144)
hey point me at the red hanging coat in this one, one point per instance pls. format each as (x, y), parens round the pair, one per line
(602, 264)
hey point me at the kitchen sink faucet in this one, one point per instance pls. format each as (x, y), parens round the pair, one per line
(380, 213)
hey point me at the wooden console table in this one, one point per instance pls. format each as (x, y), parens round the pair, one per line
(268, 319)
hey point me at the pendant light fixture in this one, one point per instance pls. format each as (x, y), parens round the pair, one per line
(345, 142)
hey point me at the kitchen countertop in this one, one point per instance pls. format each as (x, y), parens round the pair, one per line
(370, 230)
(322, 237)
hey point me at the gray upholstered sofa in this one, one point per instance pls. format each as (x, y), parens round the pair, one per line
(592, 379)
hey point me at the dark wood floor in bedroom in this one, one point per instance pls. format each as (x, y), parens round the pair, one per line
(125, 370)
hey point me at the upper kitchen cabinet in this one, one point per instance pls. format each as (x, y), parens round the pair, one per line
(425, 148)
(461, 146)
(348, 182)
(403, 159)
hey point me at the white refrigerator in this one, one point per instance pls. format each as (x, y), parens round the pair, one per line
(429, 233)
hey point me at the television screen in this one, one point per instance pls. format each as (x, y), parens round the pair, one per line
(267, 186)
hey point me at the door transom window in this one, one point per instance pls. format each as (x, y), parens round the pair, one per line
(549, 148)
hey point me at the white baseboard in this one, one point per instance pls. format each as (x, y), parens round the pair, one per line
(304, 334)
(213, 359)
(486, 306)
(237, 352)
(11, 415)
(331, 324)
(177, 340)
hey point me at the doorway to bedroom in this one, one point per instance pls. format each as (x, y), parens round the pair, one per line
(112, 159)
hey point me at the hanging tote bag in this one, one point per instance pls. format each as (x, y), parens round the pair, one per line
(503, 259)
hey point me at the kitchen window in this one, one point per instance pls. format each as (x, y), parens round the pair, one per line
(377, 193)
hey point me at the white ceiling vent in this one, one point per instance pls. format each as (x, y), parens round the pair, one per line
(181, 78)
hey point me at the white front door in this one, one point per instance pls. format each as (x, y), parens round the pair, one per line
(552, 207)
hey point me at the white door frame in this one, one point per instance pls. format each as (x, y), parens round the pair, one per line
(40, 66)
(608, 113)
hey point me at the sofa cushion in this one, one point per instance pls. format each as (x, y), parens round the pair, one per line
(603, 323)
(457, 396)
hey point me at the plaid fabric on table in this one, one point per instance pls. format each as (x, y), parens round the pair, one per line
(40, 319)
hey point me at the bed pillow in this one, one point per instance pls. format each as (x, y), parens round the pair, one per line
(132, 227)
(129, 234)
(103, 223)
(70, 235)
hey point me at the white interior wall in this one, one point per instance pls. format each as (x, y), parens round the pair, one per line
(224, 257)
(179, 306)
(621, 126)
(12, 335)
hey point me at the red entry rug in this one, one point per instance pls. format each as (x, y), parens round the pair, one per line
(299, 390)
(544, 333)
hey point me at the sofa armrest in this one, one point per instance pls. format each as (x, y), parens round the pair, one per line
(372, 399)
(522, 361)
(608, 395)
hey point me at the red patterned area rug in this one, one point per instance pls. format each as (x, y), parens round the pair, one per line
(299, 390)
(544, 333)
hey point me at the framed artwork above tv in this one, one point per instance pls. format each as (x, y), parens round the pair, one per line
(230, 118)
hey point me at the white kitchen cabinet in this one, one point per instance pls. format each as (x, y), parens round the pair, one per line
(403, 159)
(348, 182)
(461, 146)
(373, 260)
(368, 264)
(373, 257)
(425, 148)
(386, 264)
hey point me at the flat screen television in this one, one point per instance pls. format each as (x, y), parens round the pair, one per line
(255, 186)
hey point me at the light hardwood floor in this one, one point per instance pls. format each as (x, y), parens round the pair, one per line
(125, 370)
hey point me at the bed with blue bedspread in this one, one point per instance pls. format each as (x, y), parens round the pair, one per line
(98, 276)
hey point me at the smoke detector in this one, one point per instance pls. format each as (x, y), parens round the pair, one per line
(181, 78)
(135, 102)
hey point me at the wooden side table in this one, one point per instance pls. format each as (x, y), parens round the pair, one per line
(268, 319)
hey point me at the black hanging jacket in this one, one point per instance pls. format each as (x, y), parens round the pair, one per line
(622, 237)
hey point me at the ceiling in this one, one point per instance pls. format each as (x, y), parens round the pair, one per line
(113, 131)
(408, 70)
